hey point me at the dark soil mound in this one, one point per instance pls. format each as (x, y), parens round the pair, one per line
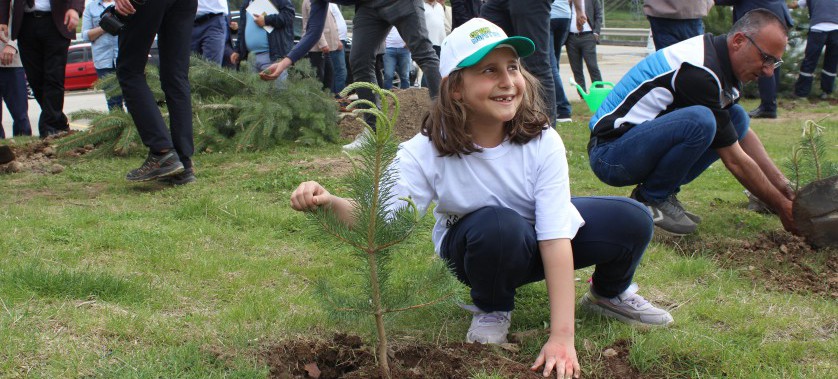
(347, 357)
(413, 104)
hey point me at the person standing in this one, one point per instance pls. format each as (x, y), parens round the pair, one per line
(767, 84)
(259, 47)
(338, 56)
(170, 149)
(319, 53)
(210, 29)
(44, 29)
(373, 18)
(13, 88)
(823, 32)
(673, 21)
(105, 46)
(582, 41)
(396, 60)
(559, 27)
(529, 19)
(435, 22)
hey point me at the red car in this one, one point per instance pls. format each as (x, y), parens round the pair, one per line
(79, 73)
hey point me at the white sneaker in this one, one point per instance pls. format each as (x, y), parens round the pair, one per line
(563, 119)
(628, 307)
(356, 144)
(488, 327)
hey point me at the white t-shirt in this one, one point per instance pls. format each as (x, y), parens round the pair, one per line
(394, 39)
(339, 20)
(531, 179)
(435, 22)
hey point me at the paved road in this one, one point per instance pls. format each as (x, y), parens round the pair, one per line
(614, 62)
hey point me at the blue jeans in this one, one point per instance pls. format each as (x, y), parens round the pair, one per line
(397, 60)
(815, 42)
(208, 39)
(558, 29)
(494, 250)
(13, 92)
(668, 31)
(663, 154)
(338, 59)
(114, 102)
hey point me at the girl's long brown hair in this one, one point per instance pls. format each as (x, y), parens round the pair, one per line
(445, 123)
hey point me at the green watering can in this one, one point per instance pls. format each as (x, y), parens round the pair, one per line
(597, 93)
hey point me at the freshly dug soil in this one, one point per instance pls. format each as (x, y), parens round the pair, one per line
(346, 356)
(38, 157)
(413, 104)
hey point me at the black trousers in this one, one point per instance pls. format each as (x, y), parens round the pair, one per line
(171, 21)
(43, 52)
(530, 19)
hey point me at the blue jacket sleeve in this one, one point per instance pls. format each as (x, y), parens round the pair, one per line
(314, 28)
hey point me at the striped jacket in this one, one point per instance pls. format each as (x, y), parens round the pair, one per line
(696, 71)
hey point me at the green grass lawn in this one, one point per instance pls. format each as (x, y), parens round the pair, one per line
(102, 278)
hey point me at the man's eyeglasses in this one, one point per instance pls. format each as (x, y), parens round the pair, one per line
(767, 60)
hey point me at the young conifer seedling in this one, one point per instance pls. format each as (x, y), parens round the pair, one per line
(381, 222)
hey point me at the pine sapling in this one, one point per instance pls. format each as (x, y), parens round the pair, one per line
(379, 224)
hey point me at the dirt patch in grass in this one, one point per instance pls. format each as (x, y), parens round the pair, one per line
(348, 357)
(413, 104)
(327, 167)
(614, 363)
(780, 261)
(38, 157)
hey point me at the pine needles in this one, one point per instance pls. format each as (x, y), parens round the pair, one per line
(808, 160)
(381, 223)
(232, 110)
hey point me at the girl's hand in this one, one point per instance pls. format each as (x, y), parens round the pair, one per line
(559, 354)
(309, 196)
(124, 7)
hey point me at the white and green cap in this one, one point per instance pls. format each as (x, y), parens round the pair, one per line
(471, 41)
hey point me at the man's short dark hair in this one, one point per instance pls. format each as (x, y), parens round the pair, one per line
(755, 20)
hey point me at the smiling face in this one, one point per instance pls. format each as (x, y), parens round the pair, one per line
(746, 58)
(492, 90)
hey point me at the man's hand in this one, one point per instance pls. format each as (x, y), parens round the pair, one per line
(259, 20)
(581, 19)
(325, 49)
(124, 7)
(275, 70)
(7, 54)
(559, 354)
(787, 218)
(4, 33)
(340, 46)
(234, 26)
(234, 58)
(71, 19)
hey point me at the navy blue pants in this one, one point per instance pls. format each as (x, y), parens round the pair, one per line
(559, 27)
(170, 20)
(815, 42)
(13, 92)
(669, 31)
(208, 38)
(494, 250)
